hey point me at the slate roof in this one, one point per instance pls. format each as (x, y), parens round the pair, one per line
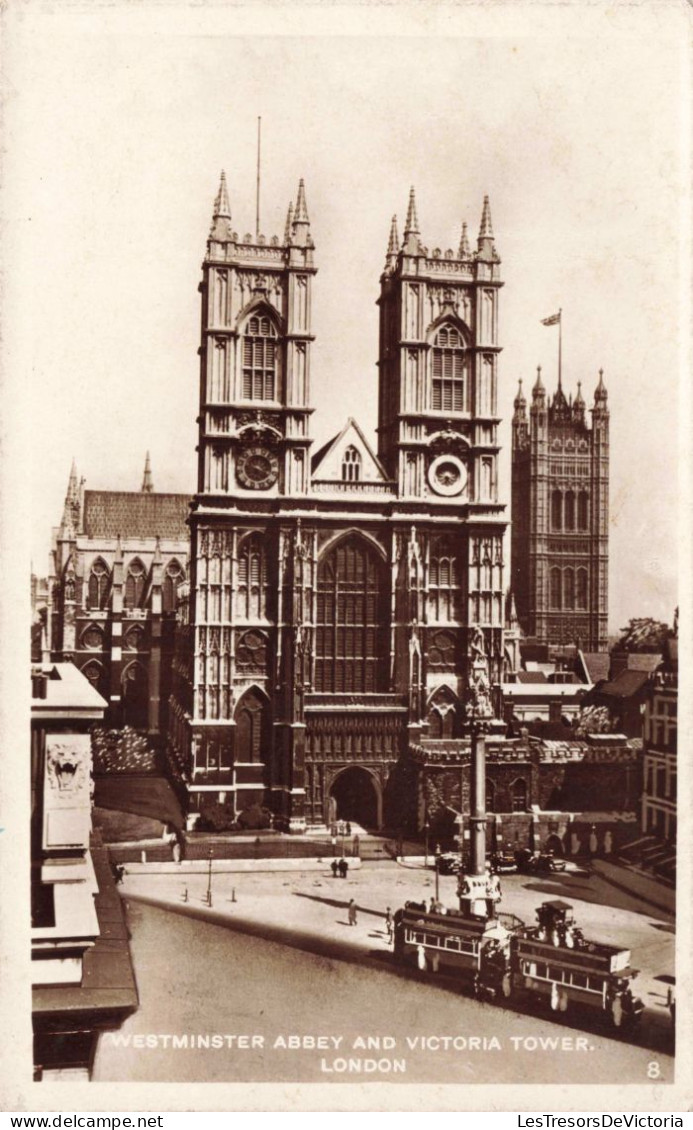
(626, 684)
(596, 665)
(135, 514)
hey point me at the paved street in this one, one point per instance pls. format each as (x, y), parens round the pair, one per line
(306, 973)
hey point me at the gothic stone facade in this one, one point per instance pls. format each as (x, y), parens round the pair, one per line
(560, 505)
(332, 597)
(117, 562)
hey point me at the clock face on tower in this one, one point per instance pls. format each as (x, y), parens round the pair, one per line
(257, 468)
(447, 475)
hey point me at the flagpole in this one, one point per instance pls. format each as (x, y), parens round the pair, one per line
(560, 335)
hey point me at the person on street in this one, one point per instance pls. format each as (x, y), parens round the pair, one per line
(343, 868)
(352, 912)
(335, 867)
(389, 924)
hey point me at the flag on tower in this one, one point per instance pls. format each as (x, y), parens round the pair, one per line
(554, 320)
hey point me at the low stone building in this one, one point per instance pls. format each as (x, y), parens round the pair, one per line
(538, 791)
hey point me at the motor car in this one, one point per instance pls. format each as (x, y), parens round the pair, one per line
(450, 863)
(538, 862)
(503, 862)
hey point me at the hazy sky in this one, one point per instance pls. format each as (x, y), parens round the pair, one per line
(119, 121)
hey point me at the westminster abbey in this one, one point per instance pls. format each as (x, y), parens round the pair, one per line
(333, 593)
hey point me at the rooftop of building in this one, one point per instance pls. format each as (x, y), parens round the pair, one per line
(135, 514)
(60, 688)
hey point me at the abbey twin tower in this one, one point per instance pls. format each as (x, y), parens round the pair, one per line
(318, 651)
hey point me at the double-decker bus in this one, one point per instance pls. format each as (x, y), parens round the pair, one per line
(504, 959)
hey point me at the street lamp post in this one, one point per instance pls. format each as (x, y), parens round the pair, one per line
(436, 864)
(426, 846)
(209, 879)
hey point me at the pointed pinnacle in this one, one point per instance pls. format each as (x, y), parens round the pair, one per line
(578, 397)
(600, 391)
(486, 229)
(73, 486)
(538, 386)
(301, 214)
(289, 219)
(465, 251)
(412, 224)
(393, 245)
(221, 204)
(147, 484)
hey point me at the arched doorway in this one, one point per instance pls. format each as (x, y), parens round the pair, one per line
(554, 844)
(355, 795)
(135, 696)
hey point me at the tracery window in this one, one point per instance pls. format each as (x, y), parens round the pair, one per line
(250, 727)
(351, 465)
(518, 795)
(556, 510)
(351, 646)
(260, 356)
(134, 584)
(252, 578)
(173, 577)
(569, 510)
(583, 510)
(444, 590)
(569, 589)
(251, 653)
(99, 584)
(449, 392)
(556, 589)
(581, 598)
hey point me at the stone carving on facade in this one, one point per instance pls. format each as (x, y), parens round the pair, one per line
(447, 441)
(67, 769)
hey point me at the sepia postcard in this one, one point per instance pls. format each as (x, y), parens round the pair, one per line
(345, 448)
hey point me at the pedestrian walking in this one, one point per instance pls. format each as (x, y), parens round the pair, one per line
(352, 912)
(348, 828)
(343, 868)
(335, 867)
(389, 924)
(356, 847)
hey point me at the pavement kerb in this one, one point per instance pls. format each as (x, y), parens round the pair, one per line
(222, 866)
(640, 886)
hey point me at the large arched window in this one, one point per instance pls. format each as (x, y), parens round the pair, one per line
(444, 589)
(556, 589)
(252, 579)
(351, 648)
(569, 510)
(173, 577)
(556, 510)
(449, 392)
(583, 510)
(99, 584)
(134, 584)
(260, 355)
(351, 465)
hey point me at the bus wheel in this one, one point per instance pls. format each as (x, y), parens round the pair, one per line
(617, 1012)
(506, 985)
